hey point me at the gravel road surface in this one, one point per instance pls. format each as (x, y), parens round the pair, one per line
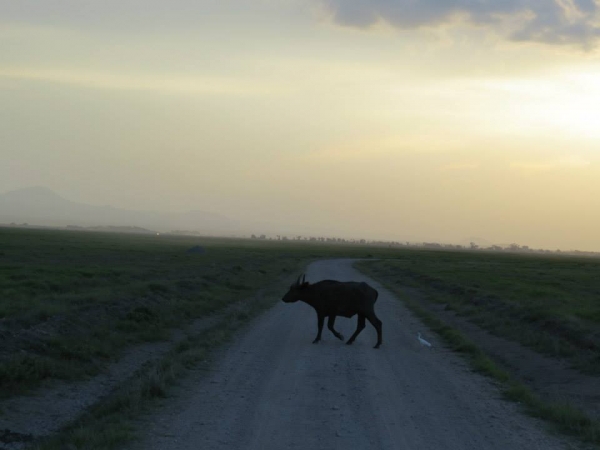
(273, 389)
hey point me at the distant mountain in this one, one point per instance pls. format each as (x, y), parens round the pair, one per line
(41, 206)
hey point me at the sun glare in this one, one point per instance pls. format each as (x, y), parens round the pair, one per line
(564, 104)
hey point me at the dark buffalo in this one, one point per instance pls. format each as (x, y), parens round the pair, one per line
(337, 298)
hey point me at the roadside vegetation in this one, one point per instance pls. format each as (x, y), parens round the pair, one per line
(71, 302)
(110, 423)
(548, 303)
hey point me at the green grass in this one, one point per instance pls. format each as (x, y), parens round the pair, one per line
(111, 422)
(568, 419)
(81, 298)
(565, 417)
(548, 303)
(71, 301)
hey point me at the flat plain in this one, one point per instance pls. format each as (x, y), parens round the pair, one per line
(140, 315)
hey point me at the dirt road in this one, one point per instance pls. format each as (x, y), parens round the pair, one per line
(273, 389)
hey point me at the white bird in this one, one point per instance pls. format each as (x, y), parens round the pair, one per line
(423, 341)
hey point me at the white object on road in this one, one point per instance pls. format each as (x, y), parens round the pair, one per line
(423, 341)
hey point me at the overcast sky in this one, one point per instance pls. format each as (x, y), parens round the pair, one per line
(432, 120)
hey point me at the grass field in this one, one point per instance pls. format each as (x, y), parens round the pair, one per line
(70, 302)
(548, 303)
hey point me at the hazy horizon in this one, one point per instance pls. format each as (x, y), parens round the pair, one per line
(393, 120)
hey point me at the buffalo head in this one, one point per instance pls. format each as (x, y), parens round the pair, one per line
(296, 290)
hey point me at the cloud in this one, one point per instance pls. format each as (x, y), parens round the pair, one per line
(143, 82)
(546, 21)
(157, 16)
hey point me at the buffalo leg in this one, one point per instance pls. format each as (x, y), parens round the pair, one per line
(330, 324)
(377, 324)
(320, 321)
(360, 325)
